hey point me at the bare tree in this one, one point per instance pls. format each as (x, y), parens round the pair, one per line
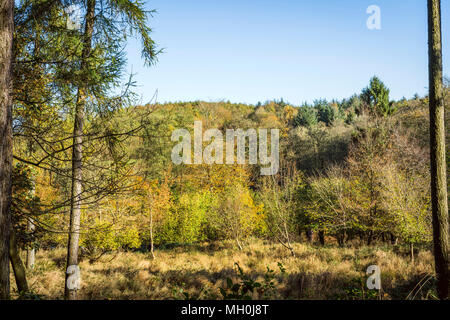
(437, 149)
(6, 39)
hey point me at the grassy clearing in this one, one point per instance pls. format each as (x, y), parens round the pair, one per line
(329, 272)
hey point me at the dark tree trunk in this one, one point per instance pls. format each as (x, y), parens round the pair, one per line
(6, 38)
(361, 237)
(309, 235)
(370, 238)
(350, 236)
(393, 239)
(77, 155)
(437, 150)
(341, 239)
(322, 238)
(17, 265)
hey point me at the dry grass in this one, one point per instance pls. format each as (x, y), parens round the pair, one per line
(315, 272)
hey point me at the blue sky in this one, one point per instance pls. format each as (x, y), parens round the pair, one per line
(299, 50)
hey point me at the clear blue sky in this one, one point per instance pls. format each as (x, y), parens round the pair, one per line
(299, 50)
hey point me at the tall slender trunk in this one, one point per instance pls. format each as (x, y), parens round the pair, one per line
(239, 244)
(6, 39)
(31, 251)
(152, 249)
(17, 265)
(439, 199)
(370, 238)
(77, 152)
(288, 239)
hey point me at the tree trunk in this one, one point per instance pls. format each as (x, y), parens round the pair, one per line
(17, 265)
(412, 252)
(291, 250)
(309, 235)
(6, 38)
(350, 236)
(341, 239)
(322, 238)
(75, 205)
(370, 238)
(152, 249)
(393, 239)
(437, 150)
(239, 244)
(31, 252)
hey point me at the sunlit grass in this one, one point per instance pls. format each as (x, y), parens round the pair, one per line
(315, 272)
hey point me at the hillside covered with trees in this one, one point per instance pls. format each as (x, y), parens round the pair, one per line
(353, 173)
(89, 185)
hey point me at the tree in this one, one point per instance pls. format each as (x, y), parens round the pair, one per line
(23, 204)
(75, 203)
(279, 206)
(328, 203)
(376, 96)
(157, 200)
(237, 215)
(6, 40)
(439, 199)
(17, 264)
(326, 112)
(306, 116)
(123, 16)
(406, 199)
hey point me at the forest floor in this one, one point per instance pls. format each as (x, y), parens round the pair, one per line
(199, 271)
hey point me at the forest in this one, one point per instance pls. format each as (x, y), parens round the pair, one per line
(99, 210)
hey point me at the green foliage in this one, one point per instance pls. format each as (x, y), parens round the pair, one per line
(25, 205)
(376, 96)
(203, 203)
(326, 112)
(306, 117)
(247, 288)
(103, 237)
(185, 222)
(357, 290)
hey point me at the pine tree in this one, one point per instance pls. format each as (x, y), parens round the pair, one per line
(439, 199)
(6, 39)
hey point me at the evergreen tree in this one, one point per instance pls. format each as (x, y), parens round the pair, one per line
(437, 149)
(376, 97)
